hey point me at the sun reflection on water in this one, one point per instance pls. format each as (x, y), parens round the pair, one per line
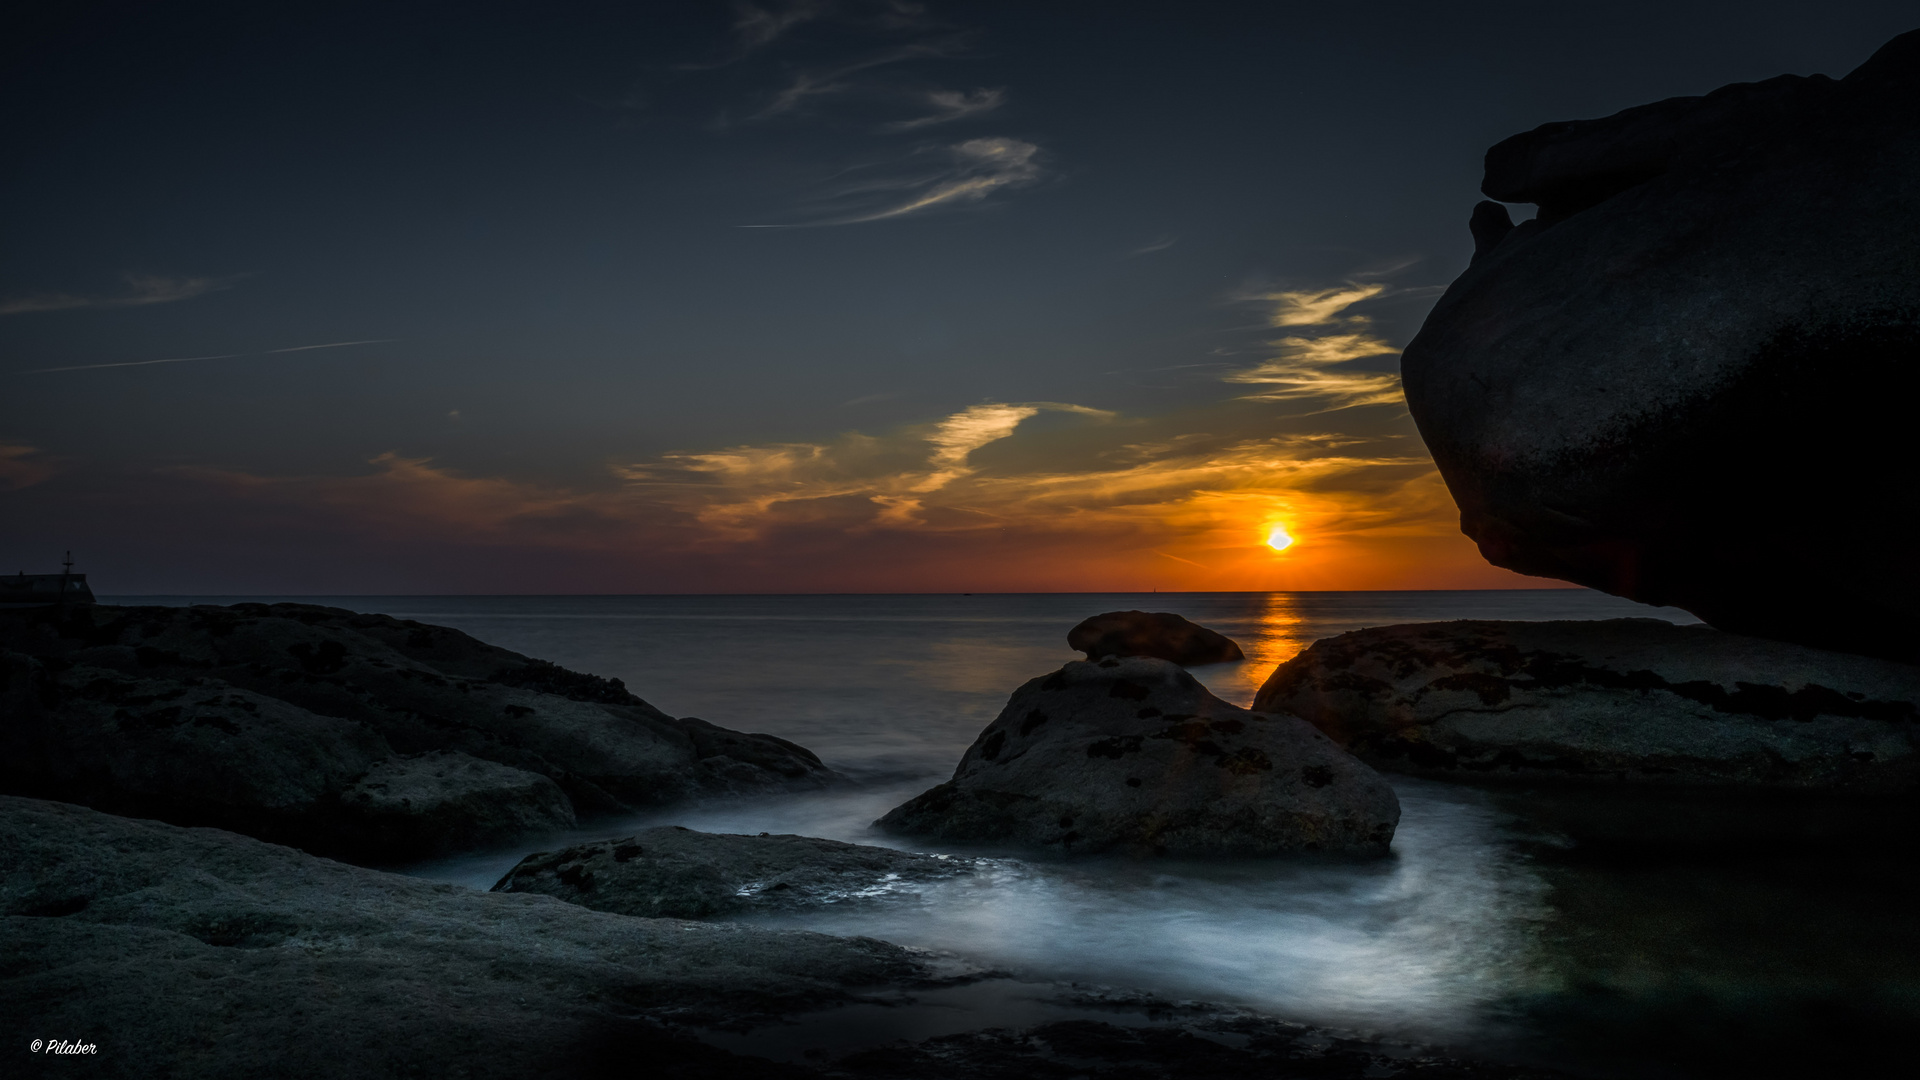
(1275, 635)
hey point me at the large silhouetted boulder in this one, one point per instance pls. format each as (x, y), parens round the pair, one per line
(1159, 634)
(1135, 755)
(672, 872)
(1678, 383)
(308, 725)
(1613, 701)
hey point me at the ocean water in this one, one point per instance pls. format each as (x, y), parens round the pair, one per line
(1501, 923)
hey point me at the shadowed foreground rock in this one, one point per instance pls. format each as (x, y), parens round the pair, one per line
(1136, 755)
(200, 953)
(679, 873)
(1241, 1048)
(307, 725)
(1674, 383)
(196, 952)
(1621, 700)
(1158, 634)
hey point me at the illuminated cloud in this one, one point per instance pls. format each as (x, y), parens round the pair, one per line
(1312, 365)
(951, 105)
(742, 490)
(1310, 307)
(144, 289)
(962, 433)
(1307, 369)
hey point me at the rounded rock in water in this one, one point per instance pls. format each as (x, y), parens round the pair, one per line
(1135, 755)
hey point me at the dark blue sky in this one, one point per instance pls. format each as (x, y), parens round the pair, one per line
(550, 221)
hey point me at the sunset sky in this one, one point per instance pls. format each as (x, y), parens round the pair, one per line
(770, 297)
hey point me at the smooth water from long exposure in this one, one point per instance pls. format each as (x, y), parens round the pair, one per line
(1472, 933)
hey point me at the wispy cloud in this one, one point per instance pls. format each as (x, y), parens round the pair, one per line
(938, 178)
(951, 105)
(218, 356)
(143, 289)
(757, 26)
(1312, 364)
(1304, 368)
(736, 488)
(808, 85)
(1314, 307)
(22, 466)
(1159, 244)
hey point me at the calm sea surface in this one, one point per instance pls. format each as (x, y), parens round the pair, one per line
(1495, 924)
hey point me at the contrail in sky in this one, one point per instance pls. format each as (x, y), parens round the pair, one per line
(222, 356)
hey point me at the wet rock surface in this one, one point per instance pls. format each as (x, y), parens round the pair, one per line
(1621, 392)
(679, 873)
(1620, 700)
(1152, 633)
(197, 952)
(1136, 755)
(260, 718)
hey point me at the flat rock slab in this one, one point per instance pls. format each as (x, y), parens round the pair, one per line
(260, 717)
(1159, 634)
(1135, 755)
(1619, 700)
(679, 873)
(197, 952)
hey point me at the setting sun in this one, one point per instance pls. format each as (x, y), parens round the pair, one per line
(1279, 539)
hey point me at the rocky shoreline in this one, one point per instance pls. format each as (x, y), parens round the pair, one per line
(200, 944)
(363, 736)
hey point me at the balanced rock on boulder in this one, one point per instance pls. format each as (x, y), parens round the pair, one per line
(1152, 633)
(1620, 700)
(1673, 384)
(672, 872)
(1135, 755)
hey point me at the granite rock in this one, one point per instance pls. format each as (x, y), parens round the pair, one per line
(258, 718)
(1152, 633)
(1672, 383)
(1135, 755)
(1612, 701)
